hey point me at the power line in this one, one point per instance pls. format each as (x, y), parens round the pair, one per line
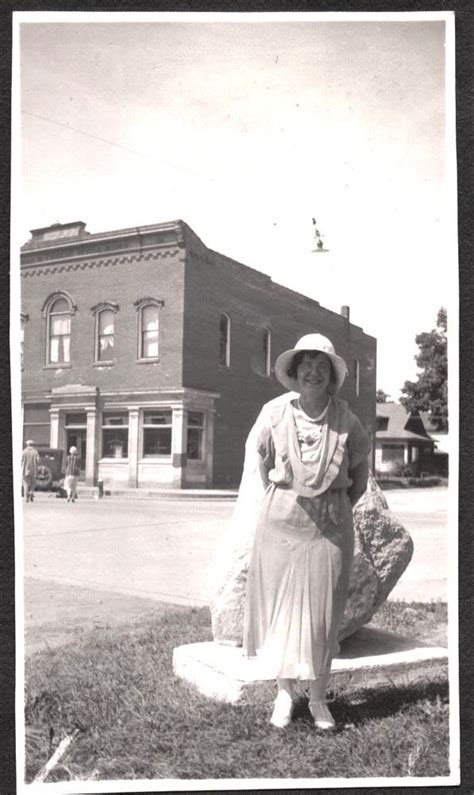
(117, 145)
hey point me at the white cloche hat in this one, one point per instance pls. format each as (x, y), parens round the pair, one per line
(310, 342)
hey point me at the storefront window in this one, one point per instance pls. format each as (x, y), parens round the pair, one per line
(157, 433)
(115, 435)
(195, 435)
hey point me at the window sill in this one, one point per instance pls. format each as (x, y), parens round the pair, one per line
(108, 363)
(113, 461)
(153, 360)
(61, 366)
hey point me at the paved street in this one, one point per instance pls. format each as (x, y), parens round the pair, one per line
(158, 549)
(424, 514)
(122, 555)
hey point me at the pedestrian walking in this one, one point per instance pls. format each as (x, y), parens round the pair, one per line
(312, 454)
(29, 469)
(72, 474)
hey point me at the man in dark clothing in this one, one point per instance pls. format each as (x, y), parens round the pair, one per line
(29, 469)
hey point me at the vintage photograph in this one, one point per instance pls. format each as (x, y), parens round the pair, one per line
(234, 300)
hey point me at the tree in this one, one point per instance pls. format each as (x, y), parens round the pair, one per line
(430, 392)
(382, 397)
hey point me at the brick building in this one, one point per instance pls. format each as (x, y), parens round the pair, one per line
(153, 354)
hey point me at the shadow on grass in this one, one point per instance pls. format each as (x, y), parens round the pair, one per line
(144, 723)
(377, 703)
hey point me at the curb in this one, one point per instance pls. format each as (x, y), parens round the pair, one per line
(158, 494)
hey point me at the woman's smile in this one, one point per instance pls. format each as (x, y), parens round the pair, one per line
(314, 372)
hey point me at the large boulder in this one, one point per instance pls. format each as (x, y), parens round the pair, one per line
(383, 550)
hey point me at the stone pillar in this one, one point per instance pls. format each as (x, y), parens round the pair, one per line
(91, 452)
(133, 428)
(406, 457)
(178, 445)
(54, 430)
(209, 446)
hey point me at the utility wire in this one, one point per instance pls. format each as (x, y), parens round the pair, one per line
(114, 143)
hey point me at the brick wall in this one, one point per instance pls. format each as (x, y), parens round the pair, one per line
(214, 284)
(169, 263)
(122, 280)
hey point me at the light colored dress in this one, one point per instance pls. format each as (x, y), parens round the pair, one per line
(72, 476)
(303, 547)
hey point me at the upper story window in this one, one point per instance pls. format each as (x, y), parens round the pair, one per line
(224, 340)
(261, 357)
(104, 331)
(58, 311)
(148, 328)
(149, 335)
(23, 319)
(267, 351)
(356, 376)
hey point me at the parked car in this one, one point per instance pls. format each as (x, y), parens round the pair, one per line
(50, 469)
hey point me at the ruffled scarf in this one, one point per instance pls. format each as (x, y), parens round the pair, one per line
(311, 479)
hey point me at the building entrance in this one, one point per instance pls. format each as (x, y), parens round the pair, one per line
(78, 438)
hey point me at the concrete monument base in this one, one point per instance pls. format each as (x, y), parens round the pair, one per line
(368, 657)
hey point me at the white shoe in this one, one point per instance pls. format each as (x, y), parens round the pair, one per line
(282, 710)
(322, 717)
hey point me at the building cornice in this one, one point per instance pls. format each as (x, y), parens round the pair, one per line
(37, 396)
(175, 392)
(86, 262)
(88, 239)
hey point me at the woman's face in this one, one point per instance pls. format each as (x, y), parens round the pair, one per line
(314, 374)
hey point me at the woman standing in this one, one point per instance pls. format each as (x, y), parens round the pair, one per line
(313, 460)
(72, 474)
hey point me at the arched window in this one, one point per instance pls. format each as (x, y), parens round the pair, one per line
(23, 320)
(58, 310)
(105, 335)
(224, 340)
(104, 331)
(267, 351)
(261, 355)
(356, 376)
(148, 328)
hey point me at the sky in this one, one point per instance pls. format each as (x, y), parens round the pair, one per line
(246, 131)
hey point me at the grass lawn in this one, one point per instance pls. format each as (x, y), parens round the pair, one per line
(142, 722)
